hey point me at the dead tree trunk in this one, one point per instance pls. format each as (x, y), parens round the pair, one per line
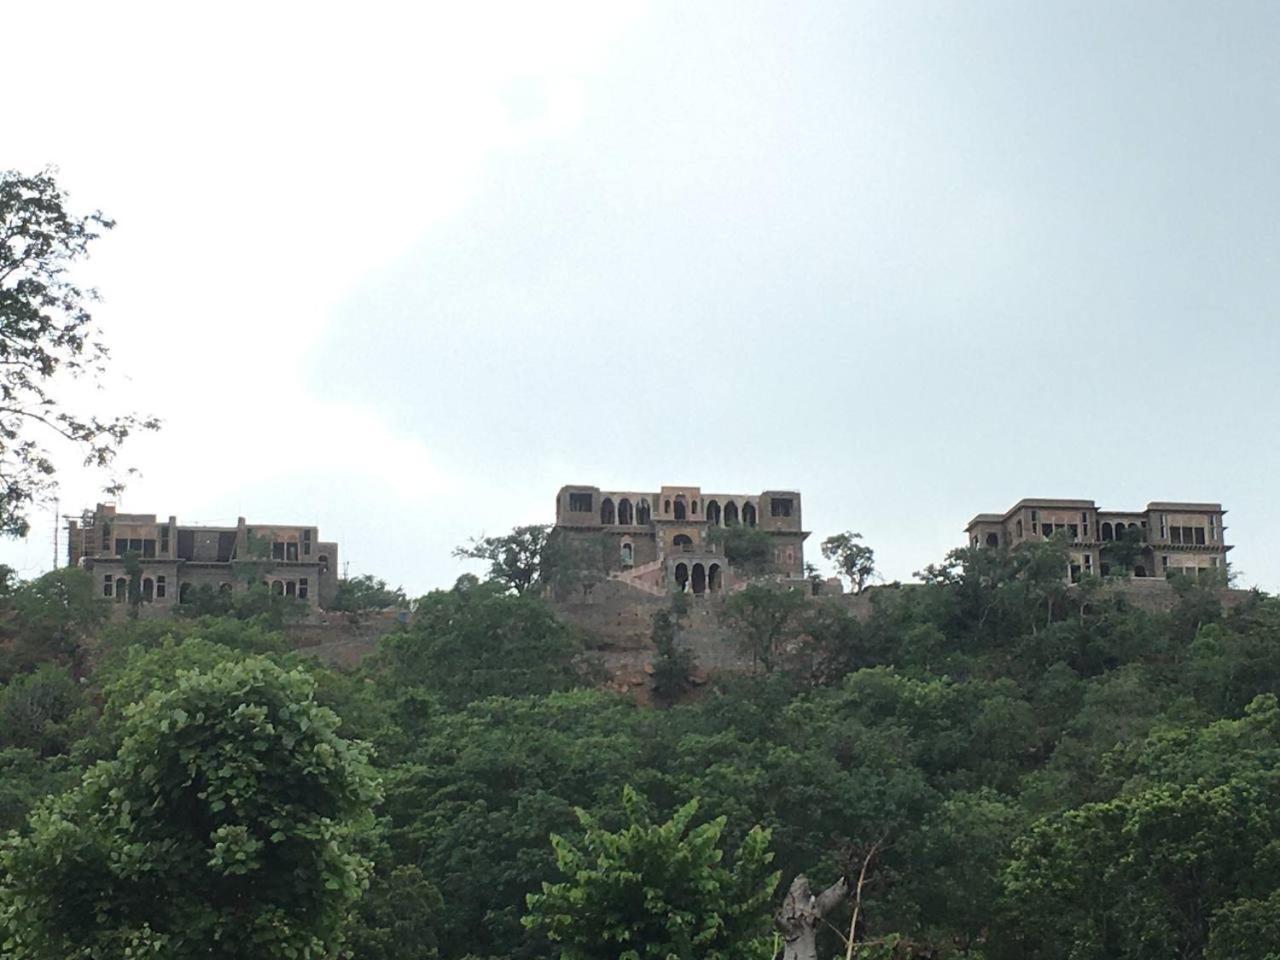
(800, 914)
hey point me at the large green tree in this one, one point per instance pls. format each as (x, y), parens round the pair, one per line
(226, 826)
(517, 559)
(46, 332)
(657, 891)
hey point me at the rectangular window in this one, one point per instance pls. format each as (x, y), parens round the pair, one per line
(1074, 531)
(1164, 523)
(1213, 562)
(306, 543)
(135, 545)
(1035, 521)
(106, 586)
(164, 540)
(277, 550)
(1175, 534)
(1084, 524)
(580, 502)
(148, 548)
(1164, 564)
(302, 588)
(1199, 536)
(106, 539)
(160, 587)
(291, 552)
(122, 547)
(780, 506)
(1213, 529)
(1088, 563)
(1019, 528)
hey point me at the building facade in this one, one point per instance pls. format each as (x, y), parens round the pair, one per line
(1173, 537)
(176, 559)
(667, 539)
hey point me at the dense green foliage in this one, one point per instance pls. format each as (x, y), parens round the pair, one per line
(657, 891)
(367, 592)
(1057, 774)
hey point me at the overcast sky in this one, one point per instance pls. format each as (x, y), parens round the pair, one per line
(404, 270)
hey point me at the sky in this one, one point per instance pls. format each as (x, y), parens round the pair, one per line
(402, 271)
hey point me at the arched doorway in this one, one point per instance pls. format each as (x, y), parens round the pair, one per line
(1139, 570)
(713, 578)
(606, 511)
(993, 539)
(682, 508)
(749, 514)
(628, 555)
(184, 592)
(699, 579)
(625, 515)
(642, 512)
(122, 589)
(682, 576)
(730, 514)
(682, 543)
(713, 513)
(277, 587)
(148, 590)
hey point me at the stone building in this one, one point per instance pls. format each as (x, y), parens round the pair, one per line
(667, 540)
(290, 560)
(1184, 538)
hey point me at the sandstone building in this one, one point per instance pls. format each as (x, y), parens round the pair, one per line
(666, 540)
(1184, 538)
(176, 559)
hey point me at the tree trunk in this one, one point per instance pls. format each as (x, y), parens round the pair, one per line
(800, 914)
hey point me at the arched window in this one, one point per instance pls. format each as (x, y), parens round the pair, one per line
(277, 587)
(749, 514)
(682, 577)
(680, 508)
(713, 578)
(1139, 570)
(324, 564)
(606, 511)
(625, 516)
(682, 542)
(148, 590)
(107, 590)
(1106, 531)
(642, 512)
(993, 539)
(730, 514)
(713, 513)
(628, 554)
(699, 579)
(666, 506)
(693, 507)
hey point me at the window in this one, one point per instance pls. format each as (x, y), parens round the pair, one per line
(291, 552)
(303, 588)
(749, 514)
(780, 507)
(107, 589)
(1019, 528)
(291, 589)
(1088, 563)
(106, 539)
(626, 516)
(1213, 529)
(1199, 536)
(1084, 524)
(164, 540)
(1175, 534)
(148, 548)
(1035, 521)
(277, 550)
(693, 507)
(1164, 525)
(666, 506)
(1213, 562)
(1164, 565)
(148, 590)
(580, 502)
(160, 588)
(122, 547)
(680, 508)
(628, 555)
(324, 564)
(1074, 531)
(683, 542)
(642, 512)
(135, 545)
(606, 511)
(306, 543)
(277, 587)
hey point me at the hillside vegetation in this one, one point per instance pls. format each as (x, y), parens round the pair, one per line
(1012, 768)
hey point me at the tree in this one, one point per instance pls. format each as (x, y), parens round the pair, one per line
(46, 331)
(749, 550)
(366, 592)
(516, 559)
(48, 618)
(765, 621)
(853, 559)
(673, 667)
(227, 825)
(656, 891)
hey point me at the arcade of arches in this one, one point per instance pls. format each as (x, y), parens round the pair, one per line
(698, 578)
